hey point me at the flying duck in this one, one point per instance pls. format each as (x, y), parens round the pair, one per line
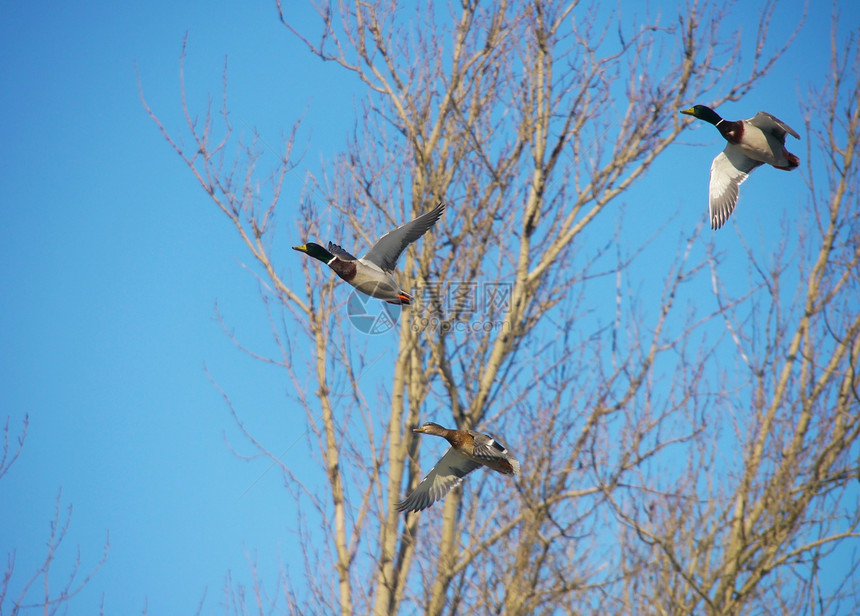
(373, 274)
(751, 143)
(469, 450)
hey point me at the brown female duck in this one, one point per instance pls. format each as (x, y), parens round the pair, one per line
(469, 450)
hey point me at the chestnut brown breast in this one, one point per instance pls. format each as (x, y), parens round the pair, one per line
(344, 269)
(461, 440)
(733, 132)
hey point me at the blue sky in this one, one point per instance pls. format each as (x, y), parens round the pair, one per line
(114, 259)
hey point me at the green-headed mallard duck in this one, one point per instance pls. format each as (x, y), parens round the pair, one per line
(373, 274)
(469, 450)
(751, 143)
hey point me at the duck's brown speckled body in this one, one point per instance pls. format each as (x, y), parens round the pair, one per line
(469, 450)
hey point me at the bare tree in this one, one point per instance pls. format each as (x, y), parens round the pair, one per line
(779, 491)
(532, 120)
(41, 589)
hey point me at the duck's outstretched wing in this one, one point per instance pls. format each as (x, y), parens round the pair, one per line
(492, 453)
(773, 125)
(340, 253)
(447, 473)
(728, 171)
(389, 247)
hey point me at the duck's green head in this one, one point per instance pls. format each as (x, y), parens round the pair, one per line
(703, 113)
(316, 251)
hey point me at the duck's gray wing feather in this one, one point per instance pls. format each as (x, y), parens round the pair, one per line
(728, 171)
(772, 125)
(490, 450)
(486, 447)
(389, 247)
(447, 473)
(340, 252)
